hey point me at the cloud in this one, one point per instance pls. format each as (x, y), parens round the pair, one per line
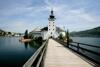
(82, 14)
(10, 7)
(16, 26)
(72, 16)
(75, 15)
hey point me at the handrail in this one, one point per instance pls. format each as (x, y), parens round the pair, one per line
(41, 57)
(78, 47)
(86, 44)
(35, 55)
(86, 49)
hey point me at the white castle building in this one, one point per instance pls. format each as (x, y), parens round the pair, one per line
(50, 31)
(51, 25)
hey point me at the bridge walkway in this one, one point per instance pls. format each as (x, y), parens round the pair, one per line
(59, 56)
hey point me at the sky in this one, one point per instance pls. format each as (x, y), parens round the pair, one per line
(75, 15)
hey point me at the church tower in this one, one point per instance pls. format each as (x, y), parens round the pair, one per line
(51, 25)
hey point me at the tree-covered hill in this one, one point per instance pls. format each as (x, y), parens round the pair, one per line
(95, 32)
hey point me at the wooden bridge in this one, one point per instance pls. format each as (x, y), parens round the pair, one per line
(58, 56)
(53, 54)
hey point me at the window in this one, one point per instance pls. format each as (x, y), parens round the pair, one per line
(49, 29)
(53, 29)
(51, 33)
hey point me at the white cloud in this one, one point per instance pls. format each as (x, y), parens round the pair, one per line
(65, 13)
(82, 14)
(17, 26)
(73, 18)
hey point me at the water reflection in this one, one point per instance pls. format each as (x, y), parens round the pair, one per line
(26, 44)
(32, 44)
(14, 53)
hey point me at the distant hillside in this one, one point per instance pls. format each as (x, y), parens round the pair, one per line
(7, 33)
(2, 32)
(95, 32)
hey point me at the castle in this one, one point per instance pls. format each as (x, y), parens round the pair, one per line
(50, 31)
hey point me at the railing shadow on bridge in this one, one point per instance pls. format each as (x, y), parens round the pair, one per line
(79, 47)
(37, 58)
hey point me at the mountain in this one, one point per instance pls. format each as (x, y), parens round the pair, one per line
(95, 32)
(2, 30)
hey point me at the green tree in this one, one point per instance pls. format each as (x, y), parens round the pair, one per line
(9, 32)
(60, 36)
(68, 38)
(26, 34)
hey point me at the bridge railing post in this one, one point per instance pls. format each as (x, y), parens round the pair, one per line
(67, 42)
(78, 47)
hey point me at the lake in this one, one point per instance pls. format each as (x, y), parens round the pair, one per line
(87, 40)
(90, 41)
(14, 53)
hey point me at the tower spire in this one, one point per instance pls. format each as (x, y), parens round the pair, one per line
(52, 12)
(51, 16)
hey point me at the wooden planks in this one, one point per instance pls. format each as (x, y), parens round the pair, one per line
(58, 56)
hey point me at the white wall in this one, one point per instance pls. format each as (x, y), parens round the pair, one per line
(51, 28)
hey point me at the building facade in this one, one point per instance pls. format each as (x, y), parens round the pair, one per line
(50, 31)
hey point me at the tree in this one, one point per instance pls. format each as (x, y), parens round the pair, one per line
(68, 39)
(26, 34)
(9, 32)
(60, 36)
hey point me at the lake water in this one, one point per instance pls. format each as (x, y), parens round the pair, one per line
(87, 40)
(90, 41)
(14, 53)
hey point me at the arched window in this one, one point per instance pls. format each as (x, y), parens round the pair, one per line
(51, 33)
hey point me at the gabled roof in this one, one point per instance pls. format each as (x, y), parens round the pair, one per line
(44, 29)
(57, 29)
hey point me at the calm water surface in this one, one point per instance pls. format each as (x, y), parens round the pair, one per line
(87, 40)
(14, 53)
